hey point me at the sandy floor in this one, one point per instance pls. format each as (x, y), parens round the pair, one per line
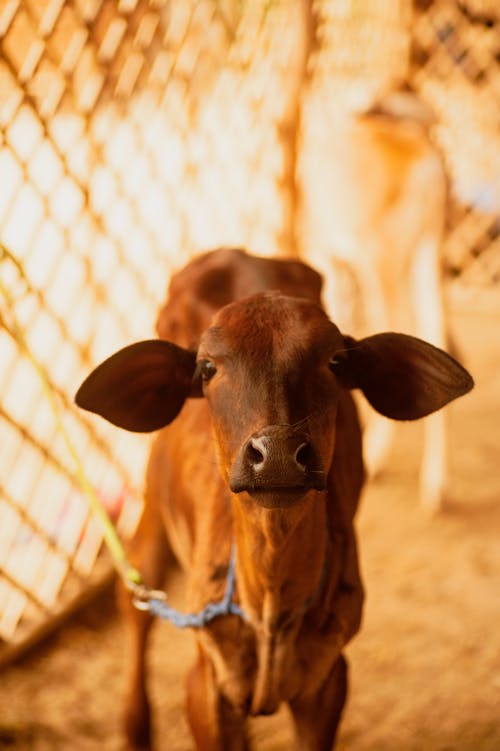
(425, 669)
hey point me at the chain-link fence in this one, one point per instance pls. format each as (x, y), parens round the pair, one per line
(112, 171)
(455, 65)
(134, 133)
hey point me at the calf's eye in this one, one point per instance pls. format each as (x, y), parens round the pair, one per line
(338, 361)
(207, 370)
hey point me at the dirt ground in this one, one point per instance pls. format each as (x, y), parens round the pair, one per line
(425, 668)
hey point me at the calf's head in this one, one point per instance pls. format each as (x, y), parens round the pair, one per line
(271, 368)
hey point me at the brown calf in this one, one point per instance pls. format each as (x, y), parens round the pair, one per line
(278, 420)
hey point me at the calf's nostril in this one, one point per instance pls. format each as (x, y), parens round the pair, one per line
(303, 455)
(255, 453)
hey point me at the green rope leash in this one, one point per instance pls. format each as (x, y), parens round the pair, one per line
(110, 536)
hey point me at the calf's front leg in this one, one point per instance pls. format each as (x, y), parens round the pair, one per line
(316, 716)
(150, 553)
(137, 714)
(215, 724)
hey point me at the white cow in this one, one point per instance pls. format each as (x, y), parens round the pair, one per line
(373, 205)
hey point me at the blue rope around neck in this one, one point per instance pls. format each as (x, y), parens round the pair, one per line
(213, 610)
(154, 602)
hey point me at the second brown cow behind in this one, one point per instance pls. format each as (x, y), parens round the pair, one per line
(259, 452)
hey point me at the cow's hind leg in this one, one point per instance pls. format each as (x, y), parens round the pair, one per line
(150, 553)
(431, 326)
(316, 717)
(215, 724)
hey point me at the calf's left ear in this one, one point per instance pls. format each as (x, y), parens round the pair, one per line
(401, 376)
(141, 387)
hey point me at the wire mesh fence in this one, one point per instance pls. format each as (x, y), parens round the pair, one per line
(133, 134)
(112, 172)
(455, 64)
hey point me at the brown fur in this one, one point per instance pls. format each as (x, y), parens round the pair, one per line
(215, 279)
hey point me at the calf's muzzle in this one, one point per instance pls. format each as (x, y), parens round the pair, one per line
(276, 466)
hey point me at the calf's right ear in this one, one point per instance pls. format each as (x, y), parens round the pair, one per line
(402, 377)
(141, 387)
